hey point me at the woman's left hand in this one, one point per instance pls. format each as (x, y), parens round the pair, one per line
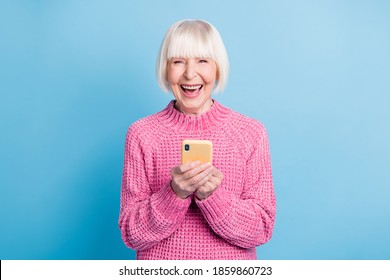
(210, 186)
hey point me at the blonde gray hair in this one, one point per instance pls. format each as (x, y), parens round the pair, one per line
(193, 39)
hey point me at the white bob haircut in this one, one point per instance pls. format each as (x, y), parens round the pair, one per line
(193, 39)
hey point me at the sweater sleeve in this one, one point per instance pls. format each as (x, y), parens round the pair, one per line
(246, 221)
(145, 217)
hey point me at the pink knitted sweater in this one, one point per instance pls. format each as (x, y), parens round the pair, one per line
(231, 222)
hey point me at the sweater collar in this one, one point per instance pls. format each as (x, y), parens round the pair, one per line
(174, 119)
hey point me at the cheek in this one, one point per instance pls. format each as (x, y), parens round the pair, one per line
(172, 75)
(210, 74)
(210, 77)
(173, 81)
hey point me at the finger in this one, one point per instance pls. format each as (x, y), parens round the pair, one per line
(186, 166)
(209, 187)
(217, 173)
(215, 180)
(201, 178)
(204, 180)
(198, 169)
(203, 192)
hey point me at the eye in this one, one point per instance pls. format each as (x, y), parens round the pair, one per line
(177, 60)
(203, 61)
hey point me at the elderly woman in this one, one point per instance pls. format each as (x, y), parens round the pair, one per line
(196, 210)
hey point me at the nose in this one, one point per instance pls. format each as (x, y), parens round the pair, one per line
(190, 71)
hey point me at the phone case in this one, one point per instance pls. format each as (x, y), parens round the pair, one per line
(193, 150)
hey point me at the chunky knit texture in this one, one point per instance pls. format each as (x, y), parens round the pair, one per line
(231, 222)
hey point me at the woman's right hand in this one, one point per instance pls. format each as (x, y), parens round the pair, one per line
(188, 177)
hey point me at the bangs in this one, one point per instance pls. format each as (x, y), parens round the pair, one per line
(191, 43)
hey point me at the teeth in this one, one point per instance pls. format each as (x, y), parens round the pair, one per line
(192, 87)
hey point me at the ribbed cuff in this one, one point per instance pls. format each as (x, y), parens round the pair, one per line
(217, 206)
(169, 205)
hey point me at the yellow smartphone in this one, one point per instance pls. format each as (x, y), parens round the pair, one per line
(193, 150)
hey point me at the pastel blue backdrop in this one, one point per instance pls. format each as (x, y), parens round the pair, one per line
(75, 74)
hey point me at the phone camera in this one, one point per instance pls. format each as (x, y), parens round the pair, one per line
(186, 147)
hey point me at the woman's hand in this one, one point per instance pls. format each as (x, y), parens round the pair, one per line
(211, 185)
(189, 177)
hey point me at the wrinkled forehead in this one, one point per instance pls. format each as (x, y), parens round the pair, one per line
(191, 45)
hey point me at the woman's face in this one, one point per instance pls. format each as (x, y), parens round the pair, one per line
(192, 81)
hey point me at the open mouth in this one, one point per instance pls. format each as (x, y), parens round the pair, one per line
(191, 90)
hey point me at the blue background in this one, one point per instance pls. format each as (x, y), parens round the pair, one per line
(75, 74)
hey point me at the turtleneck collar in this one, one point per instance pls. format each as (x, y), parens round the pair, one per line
(174, 119)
